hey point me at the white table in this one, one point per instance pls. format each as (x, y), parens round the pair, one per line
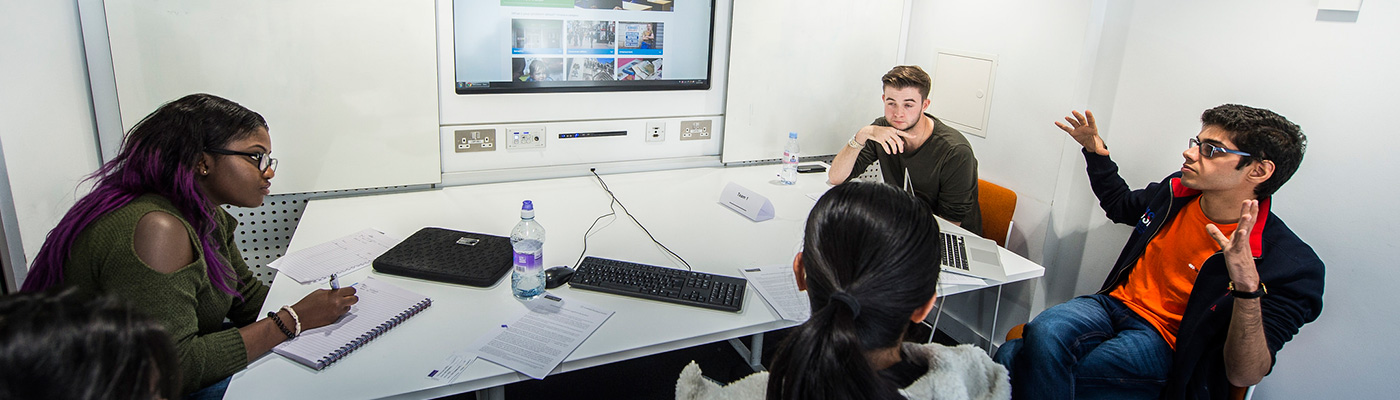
(679, 207)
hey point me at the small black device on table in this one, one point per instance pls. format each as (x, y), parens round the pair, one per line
(697, 289)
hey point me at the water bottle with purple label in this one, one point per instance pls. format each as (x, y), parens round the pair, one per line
(527, 239)
(788, 175)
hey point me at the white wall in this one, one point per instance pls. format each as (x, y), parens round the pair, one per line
(1338, 81)
(1045, 53)
(48, 132)
(763, 106)
(339, 82)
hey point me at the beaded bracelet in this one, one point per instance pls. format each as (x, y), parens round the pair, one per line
(280, 326)
(295, 318)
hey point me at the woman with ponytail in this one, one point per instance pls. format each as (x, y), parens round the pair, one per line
(870, 268)
(151, 232)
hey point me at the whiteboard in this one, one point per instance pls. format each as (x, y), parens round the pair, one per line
(808, 67)
(348, 87)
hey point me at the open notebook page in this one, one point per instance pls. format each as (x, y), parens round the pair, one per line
(381, 307)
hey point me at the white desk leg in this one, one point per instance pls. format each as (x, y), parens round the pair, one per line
(753, 356)
(934, 328)
(991, 335)
(492, 393)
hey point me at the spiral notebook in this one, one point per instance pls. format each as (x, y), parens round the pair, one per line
(382, 306)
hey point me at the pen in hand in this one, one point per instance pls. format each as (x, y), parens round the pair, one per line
(335, 282)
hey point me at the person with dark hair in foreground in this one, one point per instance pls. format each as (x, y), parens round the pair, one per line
(870, 268)
(152, 233)
(1209, 287)
(66, 346)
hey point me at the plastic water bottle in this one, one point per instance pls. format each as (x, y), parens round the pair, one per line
(790, 152)
(527, 239)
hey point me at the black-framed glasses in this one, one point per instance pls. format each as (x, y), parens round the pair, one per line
(1209, 150)
(262, 160)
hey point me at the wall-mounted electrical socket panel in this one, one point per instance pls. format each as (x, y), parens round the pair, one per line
(656, 131)
(471, 140)
(536, 149)
(531, 137)
(695, 130)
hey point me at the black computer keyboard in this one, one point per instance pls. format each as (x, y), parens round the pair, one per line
(698, 289)
(954, 251)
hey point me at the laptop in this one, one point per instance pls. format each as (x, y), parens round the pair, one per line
(969, 255)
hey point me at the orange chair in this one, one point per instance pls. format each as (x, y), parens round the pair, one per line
(998, 205)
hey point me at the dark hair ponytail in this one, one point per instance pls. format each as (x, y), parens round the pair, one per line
(871, 257)
(68, 346)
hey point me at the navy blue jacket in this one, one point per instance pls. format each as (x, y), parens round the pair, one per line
(1289, 269)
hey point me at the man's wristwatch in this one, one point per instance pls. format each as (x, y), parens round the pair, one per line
(1248, 295)
(854, 145)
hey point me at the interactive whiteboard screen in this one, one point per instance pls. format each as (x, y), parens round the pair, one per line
(548, 46)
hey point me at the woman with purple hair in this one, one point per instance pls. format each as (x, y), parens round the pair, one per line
(151, 232)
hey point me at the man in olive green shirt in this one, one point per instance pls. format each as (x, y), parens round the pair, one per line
(909, 143)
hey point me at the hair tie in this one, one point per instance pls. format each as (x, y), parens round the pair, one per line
(850, 303)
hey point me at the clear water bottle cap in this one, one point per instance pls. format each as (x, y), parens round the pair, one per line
(792, 135)
(528, 206)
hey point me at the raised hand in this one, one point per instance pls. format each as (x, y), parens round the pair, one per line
(324, 306)
(1239, 259)
(1085, 131)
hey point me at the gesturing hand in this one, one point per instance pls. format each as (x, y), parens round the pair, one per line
(324, 306)
(1239, 259)
(1084, 130)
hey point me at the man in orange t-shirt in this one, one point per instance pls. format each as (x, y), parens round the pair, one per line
(1209, 286)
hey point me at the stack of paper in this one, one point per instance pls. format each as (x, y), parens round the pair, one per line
(778, 285)
(340, 256)
(539, 340)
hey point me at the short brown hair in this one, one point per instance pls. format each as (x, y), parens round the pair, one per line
(1266, 136)
(905, 76)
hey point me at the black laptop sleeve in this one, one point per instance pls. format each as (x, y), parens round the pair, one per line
(445, 255)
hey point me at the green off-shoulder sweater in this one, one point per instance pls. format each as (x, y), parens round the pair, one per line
(103, 260)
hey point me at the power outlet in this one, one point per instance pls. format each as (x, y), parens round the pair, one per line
(656, 131)
(474, 140)
(696, 130)
(525, 138)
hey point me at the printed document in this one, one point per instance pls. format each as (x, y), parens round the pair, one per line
(453, 366)
(778, 285)
(538, 341)
(340, 256)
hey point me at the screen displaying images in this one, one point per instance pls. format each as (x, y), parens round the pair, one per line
(533, 46)
(639, 69)
(591, 69)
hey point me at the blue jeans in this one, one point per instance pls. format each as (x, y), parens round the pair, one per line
(1091, 347)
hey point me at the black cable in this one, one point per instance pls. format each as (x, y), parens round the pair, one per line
(629, 215)
(587, 232)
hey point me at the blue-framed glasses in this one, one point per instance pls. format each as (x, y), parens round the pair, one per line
(262, 160)
(1210, 150)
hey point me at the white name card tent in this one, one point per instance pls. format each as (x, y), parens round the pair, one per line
(746, 202)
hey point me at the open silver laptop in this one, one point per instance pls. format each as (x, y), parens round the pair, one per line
(964, 254)
(970, 255)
